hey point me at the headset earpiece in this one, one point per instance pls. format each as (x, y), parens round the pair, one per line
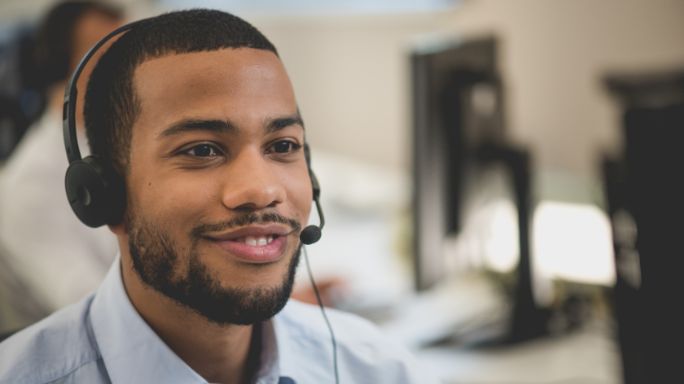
(95, 192)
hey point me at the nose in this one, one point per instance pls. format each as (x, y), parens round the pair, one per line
(252, 183)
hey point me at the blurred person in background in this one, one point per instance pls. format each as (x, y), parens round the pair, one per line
(22, 101)
(48, 253)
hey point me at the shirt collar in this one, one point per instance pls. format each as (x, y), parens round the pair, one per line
(133, 353)
(269, 371)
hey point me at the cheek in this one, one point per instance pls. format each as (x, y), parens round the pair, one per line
(163, 196)
(300, 194)
(169, 201)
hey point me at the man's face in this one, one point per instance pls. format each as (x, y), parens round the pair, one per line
(218, 186)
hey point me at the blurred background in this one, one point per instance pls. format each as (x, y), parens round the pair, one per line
(499, 178)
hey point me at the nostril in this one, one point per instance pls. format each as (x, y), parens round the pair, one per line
(246, 207)
(253, 207)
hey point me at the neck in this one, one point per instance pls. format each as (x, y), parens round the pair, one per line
(219, 353)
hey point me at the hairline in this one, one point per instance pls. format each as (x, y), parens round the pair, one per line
(135, 98)
(115, 103)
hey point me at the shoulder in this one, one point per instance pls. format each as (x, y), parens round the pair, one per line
(362, 348)
(59, 348)
(350, 330)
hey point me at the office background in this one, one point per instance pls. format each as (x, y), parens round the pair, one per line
(351, 71)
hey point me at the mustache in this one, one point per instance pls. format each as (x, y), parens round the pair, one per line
(245, 219)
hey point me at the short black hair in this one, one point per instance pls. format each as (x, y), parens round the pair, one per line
(111, 106)
(55, 38)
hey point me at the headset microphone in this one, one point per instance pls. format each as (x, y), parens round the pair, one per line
(312, 233)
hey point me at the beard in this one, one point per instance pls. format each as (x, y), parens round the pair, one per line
(157, 261)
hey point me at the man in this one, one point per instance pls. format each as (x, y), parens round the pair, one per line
(49, 252)
(196, 114)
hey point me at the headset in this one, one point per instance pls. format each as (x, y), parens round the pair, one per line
(96, 191)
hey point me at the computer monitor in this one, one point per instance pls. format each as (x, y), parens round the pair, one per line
(466, 172)
(646, 205)
(450, 80)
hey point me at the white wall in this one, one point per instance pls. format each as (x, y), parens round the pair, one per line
(556, 53)
(351, 72)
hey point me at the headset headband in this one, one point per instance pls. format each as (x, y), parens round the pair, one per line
(94, 190)
(71, 92)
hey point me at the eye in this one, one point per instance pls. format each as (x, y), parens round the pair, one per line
(284, 146)
(203, 150)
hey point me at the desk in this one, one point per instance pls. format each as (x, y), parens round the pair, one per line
(586, 356)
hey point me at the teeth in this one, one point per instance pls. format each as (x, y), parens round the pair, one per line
(258, 241)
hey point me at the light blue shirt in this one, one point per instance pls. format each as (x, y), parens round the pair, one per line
(103, 339)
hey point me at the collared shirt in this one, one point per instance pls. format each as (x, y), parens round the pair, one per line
(49, 251)
(103, 339)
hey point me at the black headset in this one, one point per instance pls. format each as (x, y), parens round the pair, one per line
(96, 192)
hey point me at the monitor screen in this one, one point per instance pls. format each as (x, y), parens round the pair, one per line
(489, 234)
(457, 106)
(472, 199)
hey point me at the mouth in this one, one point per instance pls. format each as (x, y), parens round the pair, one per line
(254, 241)
(254, 244)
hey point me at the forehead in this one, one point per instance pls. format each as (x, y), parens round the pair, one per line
(228, 83)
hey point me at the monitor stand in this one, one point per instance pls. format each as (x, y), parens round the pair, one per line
(527, 319)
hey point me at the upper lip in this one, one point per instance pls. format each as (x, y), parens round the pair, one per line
(251, 230)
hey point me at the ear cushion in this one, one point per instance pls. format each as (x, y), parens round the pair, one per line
(95, 192)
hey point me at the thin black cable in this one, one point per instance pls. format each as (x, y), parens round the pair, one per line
(325, 316)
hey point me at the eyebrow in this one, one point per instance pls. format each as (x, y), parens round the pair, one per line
(221, 126)
(190, 125)
(279, 123)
